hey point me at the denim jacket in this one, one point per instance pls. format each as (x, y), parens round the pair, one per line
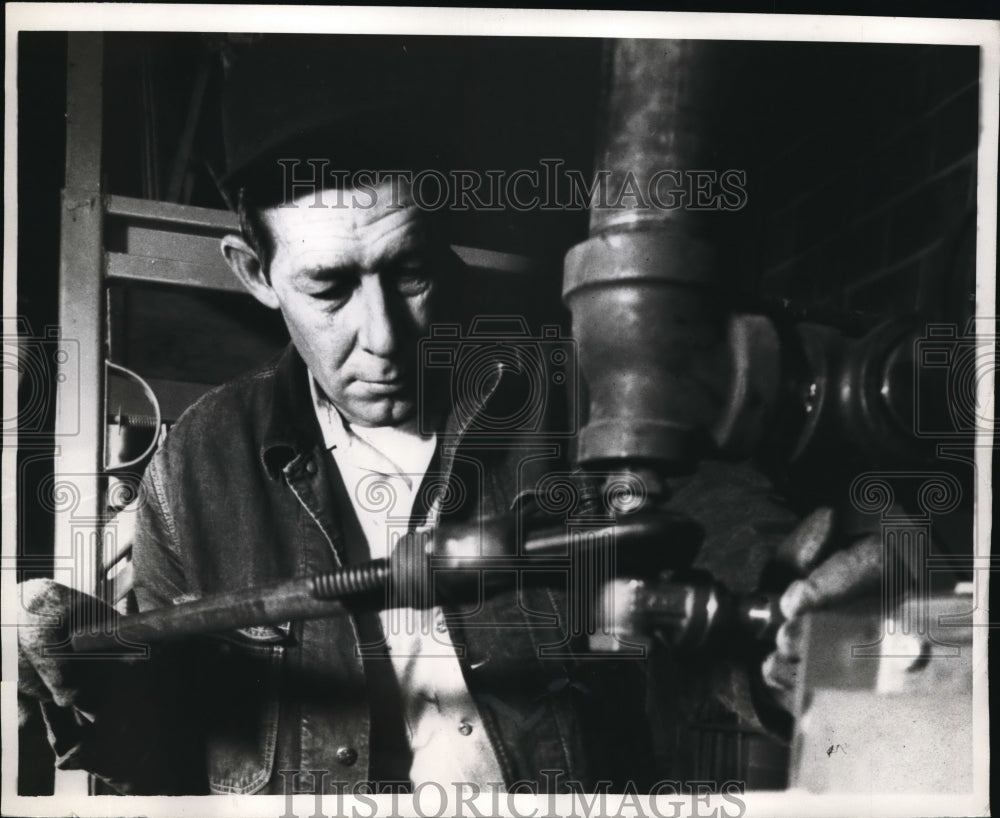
(240, 495)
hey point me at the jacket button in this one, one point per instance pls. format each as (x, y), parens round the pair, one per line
(347, 755)
(311, 467)
(464, 727)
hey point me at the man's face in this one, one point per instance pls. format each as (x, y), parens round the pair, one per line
(356, 287)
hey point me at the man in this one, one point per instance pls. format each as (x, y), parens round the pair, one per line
(313, 462)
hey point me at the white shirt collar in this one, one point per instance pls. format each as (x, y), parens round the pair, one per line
(393, 451)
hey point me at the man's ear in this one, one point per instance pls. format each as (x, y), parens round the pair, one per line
(243, 261)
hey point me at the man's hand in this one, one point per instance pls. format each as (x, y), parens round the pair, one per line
(829, 579)
(101, 712)
(49, 671)
(72, 690)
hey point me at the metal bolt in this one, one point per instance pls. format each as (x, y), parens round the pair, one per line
(464, 727)
(347, 755)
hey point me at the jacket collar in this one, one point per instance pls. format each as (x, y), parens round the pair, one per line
(292, 427)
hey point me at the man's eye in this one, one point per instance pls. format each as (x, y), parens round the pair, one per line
(336, 291)
(412, 279)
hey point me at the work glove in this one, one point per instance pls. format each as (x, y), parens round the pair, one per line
(104, 714)
(829, 578)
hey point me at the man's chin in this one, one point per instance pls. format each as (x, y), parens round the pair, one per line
(383, 412)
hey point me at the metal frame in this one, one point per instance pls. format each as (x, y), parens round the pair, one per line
(178, 244)
(77, 488)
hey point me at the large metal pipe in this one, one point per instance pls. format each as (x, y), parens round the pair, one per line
(643, 289)
(661, 106)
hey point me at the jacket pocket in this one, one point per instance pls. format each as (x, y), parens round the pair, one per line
(242, 724)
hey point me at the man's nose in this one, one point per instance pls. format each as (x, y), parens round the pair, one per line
(378, 332)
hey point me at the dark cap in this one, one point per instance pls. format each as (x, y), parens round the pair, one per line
(358, 102)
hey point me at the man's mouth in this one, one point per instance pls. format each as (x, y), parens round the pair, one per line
(386, 379)
(384, 385)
